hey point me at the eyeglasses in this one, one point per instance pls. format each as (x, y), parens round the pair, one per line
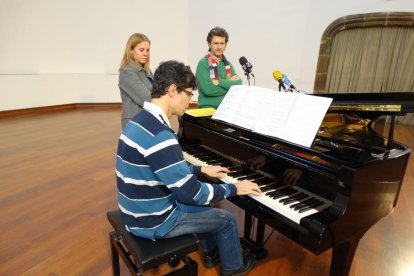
(190, 94)
(218, 43)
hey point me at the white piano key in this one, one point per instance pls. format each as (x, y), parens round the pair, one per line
(269, 202)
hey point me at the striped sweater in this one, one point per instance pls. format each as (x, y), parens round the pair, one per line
(153, 179)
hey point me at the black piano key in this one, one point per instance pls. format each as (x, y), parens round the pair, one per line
(227, 164)
(279, 194)
(206, 157)
(301, 197)
(293, 197)
(258, 179)
(271, 193)
(216, 161)
(251, 177)
(265, 184)
(236, 169)
(306, 203)
(241, 173)
(269, 184)
(194, 150)
(284, 188)
(267, 188)
(288, 198)
(304, 209)
(268, 180)
(301, 204)
(316, 204)
(280, 190)
(220, 159)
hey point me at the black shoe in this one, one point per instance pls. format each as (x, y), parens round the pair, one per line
(211, 260)
(248, 263)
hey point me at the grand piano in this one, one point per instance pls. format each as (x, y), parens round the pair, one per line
(324, 196)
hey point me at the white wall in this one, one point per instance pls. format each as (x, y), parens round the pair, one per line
(275, 34)
(68, 51)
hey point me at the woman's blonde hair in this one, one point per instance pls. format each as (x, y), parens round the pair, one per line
(133, 41)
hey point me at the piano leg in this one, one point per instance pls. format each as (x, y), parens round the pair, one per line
(342, 256)
(254, 246)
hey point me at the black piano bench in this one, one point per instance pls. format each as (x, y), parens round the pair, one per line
(140, 254)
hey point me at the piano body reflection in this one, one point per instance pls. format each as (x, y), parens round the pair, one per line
(322, 197)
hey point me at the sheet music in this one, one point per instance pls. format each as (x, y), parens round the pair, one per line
(293, 117)
(249, 109)
(230, 103)
(306, 116)
(275, 113)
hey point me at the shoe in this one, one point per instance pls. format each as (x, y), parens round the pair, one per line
(248, 263)
(211, 260)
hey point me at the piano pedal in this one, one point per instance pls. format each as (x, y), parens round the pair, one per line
(253, 247)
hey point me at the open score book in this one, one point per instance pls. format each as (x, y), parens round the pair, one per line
(293, 117)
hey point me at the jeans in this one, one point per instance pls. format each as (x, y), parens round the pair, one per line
(215, 228)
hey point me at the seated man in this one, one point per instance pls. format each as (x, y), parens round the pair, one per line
(214, 72)
(159, 193)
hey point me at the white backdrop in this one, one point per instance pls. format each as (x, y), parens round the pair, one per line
(68, 51)
(275, 34)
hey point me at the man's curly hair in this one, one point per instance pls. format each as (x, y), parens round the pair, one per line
(172, 72)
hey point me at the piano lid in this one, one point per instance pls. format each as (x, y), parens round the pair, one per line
(386, 103)
(347, 136)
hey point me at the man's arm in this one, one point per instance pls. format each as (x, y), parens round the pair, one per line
(226, 84)
(205, 82)
(167, 162)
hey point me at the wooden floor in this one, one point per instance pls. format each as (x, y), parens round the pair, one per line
(57, 182)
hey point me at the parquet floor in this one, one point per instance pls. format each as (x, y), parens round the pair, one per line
(57, 182)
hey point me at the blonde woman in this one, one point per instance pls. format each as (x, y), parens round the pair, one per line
(135, 76)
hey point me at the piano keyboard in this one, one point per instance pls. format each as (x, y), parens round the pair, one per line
(292, 202)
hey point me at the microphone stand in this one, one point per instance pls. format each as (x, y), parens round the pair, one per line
(248, 77)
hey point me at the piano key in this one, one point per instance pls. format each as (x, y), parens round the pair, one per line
(312, 206)
(288, 212)
(295, 198)
(302, 204)
(296, 204)
(216, 162)
(301, 196)
(240, 173)
(276, 195)
(257, 179)
(251, 177)
(267, 188)
(227, 164)
(265, 185)
(267, 180)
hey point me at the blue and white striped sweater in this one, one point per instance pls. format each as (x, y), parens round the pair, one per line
(153, 178)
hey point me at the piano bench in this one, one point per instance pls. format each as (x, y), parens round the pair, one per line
(140, 254)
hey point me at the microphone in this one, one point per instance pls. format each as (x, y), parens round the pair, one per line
(284, 81)
(247, 66)
(277, 75)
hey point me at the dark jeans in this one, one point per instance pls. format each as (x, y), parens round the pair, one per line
(214, 228)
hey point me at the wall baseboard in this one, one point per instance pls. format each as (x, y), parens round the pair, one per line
(54, 108)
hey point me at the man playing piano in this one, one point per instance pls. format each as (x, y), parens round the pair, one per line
(159, 194)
